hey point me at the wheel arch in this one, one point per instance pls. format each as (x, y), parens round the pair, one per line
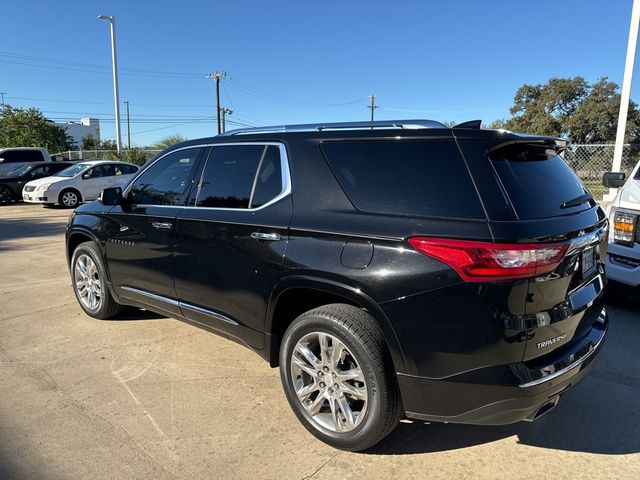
(298, 294)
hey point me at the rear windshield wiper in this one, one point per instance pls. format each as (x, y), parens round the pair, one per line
(577, 201)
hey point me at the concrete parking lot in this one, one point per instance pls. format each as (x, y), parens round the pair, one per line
(144, 396)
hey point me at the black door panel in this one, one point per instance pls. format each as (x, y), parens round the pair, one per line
(140, 253)
(220, 267)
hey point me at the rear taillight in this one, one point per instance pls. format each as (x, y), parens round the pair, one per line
(488, 262)
(624, 226)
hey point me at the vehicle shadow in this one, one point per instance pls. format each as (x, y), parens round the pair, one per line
(601, 415)
(15, 229)
(133, 314)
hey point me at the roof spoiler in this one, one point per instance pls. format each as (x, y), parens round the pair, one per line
(551, 143)
(470, 124)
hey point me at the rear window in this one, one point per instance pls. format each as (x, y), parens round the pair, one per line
(537, 182)
(408, 177)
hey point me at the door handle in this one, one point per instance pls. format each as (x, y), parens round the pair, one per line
(162, 225)
(265, 236)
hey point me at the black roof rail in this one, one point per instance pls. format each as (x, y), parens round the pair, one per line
(319, 127)
(470, 124)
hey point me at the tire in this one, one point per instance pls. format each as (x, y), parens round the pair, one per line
(374, 403)
(88, 276)
(6, 195)
(69, 198)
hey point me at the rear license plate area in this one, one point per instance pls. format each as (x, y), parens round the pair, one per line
(588, 261)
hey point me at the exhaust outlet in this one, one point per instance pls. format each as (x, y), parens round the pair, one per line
(543, 409)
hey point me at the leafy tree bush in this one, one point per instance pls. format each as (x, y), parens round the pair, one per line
(30, 128)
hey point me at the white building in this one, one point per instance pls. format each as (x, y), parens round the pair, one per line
(77, 131)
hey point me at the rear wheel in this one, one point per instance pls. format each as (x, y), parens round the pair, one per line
(338, 377)
(69, 198)
(6, 196)
(88, 276)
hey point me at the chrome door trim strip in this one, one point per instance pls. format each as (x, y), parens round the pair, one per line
(175, 303)
(208, 313)
(153, 296)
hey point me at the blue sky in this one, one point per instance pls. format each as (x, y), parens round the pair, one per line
(300, 61)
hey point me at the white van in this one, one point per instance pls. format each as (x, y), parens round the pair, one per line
(15, 157)
(623, 255)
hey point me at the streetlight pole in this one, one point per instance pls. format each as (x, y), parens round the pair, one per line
(126, 102)
(112, 23)
(625, 93)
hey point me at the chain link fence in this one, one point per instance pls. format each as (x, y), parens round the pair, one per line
(133, 155)
(591, 161)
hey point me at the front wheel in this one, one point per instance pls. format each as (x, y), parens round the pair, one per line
(69, 198)
(6, 196)
(338, 376)
(88, 276)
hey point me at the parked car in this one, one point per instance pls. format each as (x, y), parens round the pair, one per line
(623, 253)
(12, 182)
(78, 183)
(11, 158)
(389, 269)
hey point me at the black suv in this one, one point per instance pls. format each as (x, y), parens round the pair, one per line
(389, 269)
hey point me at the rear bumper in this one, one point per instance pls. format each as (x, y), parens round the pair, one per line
(504, 394)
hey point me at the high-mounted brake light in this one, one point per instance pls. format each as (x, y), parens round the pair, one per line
(488, 262)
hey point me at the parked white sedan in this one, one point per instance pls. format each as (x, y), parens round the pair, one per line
(79, 183)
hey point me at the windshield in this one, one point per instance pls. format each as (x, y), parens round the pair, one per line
(19, 171)
(72, 171)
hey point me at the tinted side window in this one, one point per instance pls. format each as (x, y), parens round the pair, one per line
(100, 171)
(228, 176)
(268, 183)
(537, 185)
(166, 181)
(40, 172)
(408, 177)
(125, 169)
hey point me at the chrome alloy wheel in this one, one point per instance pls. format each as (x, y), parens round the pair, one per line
(69, 199)
(329, 382)
(87, 282)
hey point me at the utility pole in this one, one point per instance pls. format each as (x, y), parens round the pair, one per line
(2, 93)
(373, 105)
(217, 76)
(112, 23)
(625, 93)
(126, 102)
(225, 111)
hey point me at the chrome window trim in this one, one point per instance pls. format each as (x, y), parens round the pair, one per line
(284, 165)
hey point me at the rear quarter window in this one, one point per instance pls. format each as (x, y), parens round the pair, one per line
(407, 177)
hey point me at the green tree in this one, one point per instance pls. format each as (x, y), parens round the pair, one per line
(168, 141)
(89, 142)
(571, 108)
(30, 128)
(108, 145)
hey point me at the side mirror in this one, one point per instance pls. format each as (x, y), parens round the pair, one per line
(613, 179)
(1, 159)
(111, 196)
(86, 176)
